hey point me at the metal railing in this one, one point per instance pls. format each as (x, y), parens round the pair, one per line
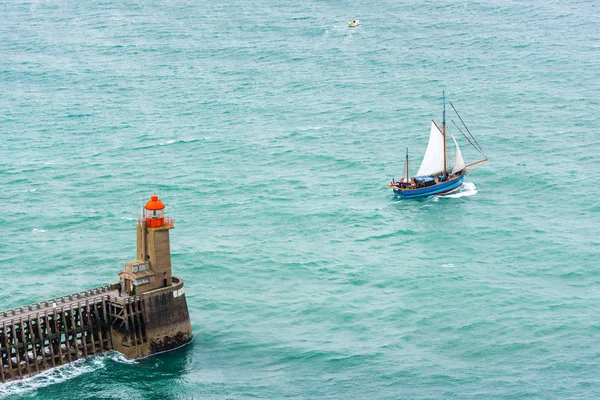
(58, 301)
(62, 301)
(168, 221)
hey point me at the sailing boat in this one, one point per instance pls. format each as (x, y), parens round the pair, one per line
(433, 176)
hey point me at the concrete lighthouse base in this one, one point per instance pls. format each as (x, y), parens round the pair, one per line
(153, 322)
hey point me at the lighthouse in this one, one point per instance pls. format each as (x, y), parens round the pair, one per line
(151, 291)
(152, 268)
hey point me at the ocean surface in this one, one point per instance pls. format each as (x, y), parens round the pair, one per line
(270, 130)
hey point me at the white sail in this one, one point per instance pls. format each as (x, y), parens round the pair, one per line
(433, 160)
(459, 163)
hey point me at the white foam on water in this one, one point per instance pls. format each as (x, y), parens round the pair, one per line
(62, 373)
(52, 376)
(449, 265)
(467, 189)
(36, 230)
(120, 358)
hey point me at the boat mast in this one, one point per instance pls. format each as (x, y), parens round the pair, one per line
(444, 129)
(406, 165)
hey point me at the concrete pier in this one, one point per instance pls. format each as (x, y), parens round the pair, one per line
(58, 331)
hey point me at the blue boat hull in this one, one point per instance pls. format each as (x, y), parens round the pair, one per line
(440, 188)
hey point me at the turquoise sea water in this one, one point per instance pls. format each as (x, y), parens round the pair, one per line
(270, 131)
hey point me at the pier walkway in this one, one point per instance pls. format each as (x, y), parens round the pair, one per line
(93, 295)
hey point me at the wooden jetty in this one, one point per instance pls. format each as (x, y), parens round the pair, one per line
(147, 316)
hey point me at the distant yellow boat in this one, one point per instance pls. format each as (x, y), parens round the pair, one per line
(354, 22)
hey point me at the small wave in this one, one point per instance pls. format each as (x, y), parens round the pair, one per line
(52, 376)
(62, 373)
(120, 358)
(449, 265)
(398, 232)
(174, 141)
(36, 230)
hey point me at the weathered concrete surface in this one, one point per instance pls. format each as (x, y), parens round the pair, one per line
(165, 323)
(168, 322)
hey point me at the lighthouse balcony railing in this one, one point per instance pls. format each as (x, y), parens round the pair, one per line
(168, 222)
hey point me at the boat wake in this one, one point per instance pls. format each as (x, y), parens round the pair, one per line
(467, 189)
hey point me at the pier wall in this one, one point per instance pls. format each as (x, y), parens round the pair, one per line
(156, 321)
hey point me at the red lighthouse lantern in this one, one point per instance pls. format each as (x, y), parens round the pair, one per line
(154, 212)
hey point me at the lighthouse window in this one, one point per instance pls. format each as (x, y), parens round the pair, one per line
(134, 268)
(141, 281)
(154, 214)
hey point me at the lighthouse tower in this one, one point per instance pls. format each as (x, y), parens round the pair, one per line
(152, 269)
(152, 314)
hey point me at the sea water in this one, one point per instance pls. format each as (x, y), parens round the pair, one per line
(270, 131)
